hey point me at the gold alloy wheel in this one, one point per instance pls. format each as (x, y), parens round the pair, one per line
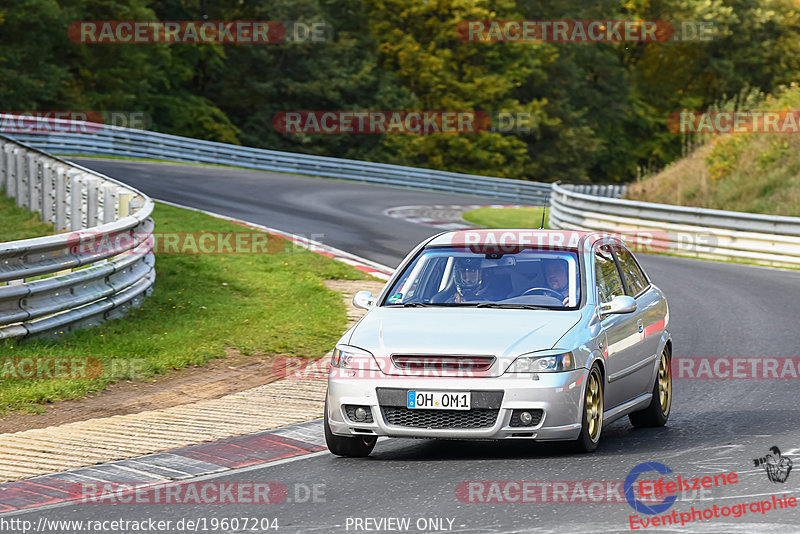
(664, 384)
(594, 405)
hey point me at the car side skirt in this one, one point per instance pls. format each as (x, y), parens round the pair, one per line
(639, 403)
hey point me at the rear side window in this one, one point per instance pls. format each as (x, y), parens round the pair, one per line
(608, 280)
(634, 276)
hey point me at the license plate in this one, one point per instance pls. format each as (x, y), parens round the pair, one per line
(438, 400)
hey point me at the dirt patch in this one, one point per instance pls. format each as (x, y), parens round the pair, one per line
(217, 378)
(348, 288)
(222, 376)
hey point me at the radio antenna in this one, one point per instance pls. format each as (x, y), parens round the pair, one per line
(544, 208)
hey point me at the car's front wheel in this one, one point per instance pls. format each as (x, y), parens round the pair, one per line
(657, 412)
(351, 447)
(592, 421)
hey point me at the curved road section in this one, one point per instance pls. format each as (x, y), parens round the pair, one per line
(720, 423)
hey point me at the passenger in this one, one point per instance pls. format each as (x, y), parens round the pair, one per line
(555, 274)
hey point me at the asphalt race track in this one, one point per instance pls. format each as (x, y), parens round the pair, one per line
(345, 215)
(716, 426)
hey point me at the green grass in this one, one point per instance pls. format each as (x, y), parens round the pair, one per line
(506, 217)
(19, 223)
(258, 304)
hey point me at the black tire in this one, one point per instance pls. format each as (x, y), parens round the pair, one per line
(349, 447)
(591, 427)
(657, 412)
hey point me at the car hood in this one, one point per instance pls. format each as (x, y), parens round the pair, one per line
(504, 334)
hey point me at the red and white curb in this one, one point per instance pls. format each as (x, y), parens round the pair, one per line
(362, 264)
(441, 216)
(174, 466)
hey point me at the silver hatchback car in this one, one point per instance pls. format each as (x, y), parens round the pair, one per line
(503, 334)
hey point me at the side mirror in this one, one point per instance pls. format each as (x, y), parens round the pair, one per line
(620, 304)
(365, 300)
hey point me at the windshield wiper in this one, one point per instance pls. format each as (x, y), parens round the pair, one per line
(433, 304)
(511, 306)
(465, 305)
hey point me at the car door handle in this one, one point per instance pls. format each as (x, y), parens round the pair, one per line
(640, 325)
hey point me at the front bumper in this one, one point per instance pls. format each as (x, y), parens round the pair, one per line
(558, 395)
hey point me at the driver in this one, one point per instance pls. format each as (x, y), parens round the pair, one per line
(555, 274)
(470, 283)
(468, 278)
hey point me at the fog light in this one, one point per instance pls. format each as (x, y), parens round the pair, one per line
(360, 414)
(525, 418)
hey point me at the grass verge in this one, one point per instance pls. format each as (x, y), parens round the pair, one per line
(19, 223)
(755, 173)
(202, 304)
(506, 217)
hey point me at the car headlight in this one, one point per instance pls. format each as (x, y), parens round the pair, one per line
(543, 363)
(346, 357)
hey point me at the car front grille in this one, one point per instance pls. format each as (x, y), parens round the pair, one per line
(475, 418)
(444, 364)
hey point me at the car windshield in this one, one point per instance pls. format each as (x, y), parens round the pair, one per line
(530, 278)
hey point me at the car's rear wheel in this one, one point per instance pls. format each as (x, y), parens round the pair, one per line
(657, 412)
(592, 420)
(350, 447)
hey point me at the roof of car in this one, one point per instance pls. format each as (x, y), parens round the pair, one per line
(516, 237)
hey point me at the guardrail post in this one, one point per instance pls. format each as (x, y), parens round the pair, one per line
(124, 204)
(47, 193)
(75, 202)
(34, 183)
(20, 192)
(60, 220)
(109, 203)
(11, 163)
(91, 202)
(3, 165)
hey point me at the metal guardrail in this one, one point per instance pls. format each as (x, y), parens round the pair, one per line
(702, 233)
(101, 140)
(96, 269)
(600, 190)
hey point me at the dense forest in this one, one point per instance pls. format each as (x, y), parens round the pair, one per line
(598, 110)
